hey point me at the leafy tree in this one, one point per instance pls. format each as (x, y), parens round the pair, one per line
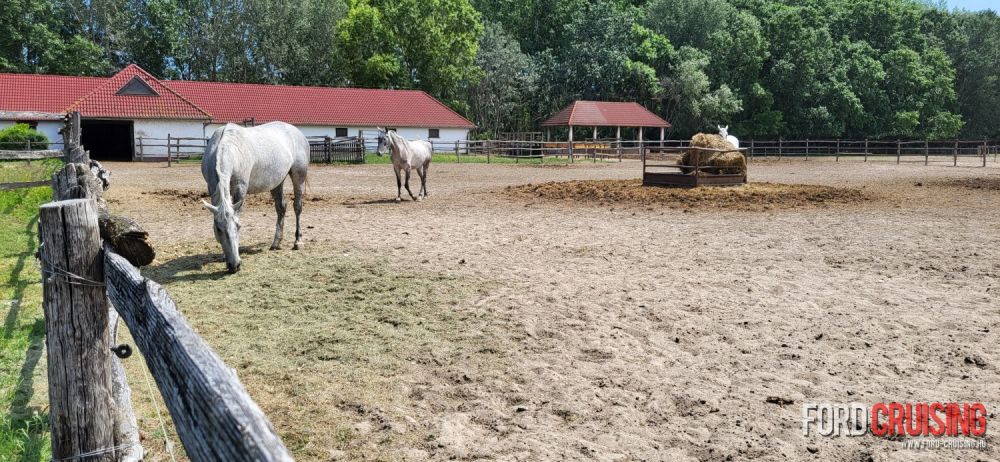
(498, 96)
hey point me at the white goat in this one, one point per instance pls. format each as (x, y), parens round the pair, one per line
(724, 132)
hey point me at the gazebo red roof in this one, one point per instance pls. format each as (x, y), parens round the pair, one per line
(605, 114)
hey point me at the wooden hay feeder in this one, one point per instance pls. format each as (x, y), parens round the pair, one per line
(662, 167)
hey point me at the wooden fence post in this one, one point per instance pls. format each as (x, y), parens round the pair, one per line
(838, 150)
(215, 417)
(141, 154)
(955, 152)
(168, 149)
(898, 151)
(984, 152)
(76, 321)
(866, 149)
(71, 140)
(807, 148)
(780, 146)
(456, 149)
(927, 152)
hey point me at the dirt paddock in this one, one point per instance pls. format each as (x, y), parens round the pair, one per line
(490, 322)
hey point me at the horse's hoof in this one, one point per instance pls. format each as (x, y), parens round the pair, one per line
(419, 198)
(297, 246)
(399, 199)
(275, 247)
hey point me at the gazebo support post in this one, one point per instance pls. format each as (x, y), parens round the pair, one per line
(663, 135)
(618, 141)
(571, 143)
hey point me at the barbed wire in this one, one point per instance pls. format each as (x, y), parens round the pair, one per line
(50, 269)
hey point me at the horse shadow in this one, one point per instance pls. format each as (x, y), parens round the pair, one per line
(371, 202)
(191, 267)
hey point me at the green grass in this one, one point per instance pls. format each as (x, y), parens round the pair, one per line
(444, 158)
(20, 171)
(23, 428)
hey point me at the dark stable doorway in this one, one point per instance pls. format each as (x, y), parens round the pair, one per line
(107, 139)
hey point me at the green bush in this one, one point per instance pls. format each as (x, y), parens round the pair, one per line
(17, 136)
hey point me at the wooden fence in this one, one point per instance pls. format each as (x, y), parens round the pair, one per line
(88, 259)
(171, 148)
(28, 152)
(926, 151)
(344, 149)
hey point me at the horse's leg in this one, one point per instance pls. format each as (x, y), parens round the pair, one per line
(423, 180)
(279, 208)
(298, 184)
(408, 185)
(420, 174)
(399, 185)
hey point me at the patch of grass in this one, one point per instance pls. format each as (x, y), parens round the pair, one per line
(324, 341)
(17, 171)
(23, 423)
(748, 197)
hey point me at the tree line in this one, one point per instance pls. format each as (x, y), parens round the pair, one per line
(768, 68)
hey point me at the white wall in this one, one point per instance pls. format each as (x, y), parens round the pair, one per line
(411, 133)
(158, 129)
(48, 127)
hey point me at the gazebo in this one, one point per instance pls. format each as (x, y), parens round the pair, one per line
(606, 114)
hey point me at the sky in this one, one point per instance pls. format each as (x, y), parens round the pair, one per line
(975, 5)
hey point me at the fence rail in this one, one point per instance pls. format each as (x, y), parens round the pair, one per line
(352, 149)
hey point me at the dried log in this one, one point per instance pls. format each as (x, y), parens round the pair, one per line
(78, 181)
(215, 417)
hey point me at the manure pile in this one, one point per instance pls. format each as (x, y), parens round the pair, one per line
(749, 197)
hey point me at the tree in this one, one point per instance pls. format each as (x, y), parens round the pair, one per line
(497, 98)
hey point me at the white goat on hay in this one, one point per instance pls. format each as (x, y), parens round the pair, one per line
(724, 132)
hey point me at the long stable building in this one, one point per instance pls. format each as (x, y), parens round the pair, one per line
(117, 111)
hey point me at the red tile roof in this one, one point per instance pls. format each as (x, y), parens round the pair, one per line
(354, 107)
(43, 93)
(105, 102)
(605, 114)
(224, 102)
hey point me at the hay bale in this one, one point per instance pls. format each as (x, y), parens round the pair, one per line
(731, 162)
(734, 160)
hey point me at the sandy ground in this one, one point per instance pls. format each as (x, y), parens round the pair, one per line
(531, 329)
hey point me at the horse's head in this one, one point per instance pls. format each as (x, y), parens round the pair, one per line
(226, 225)
(383, 142)
(723, 131)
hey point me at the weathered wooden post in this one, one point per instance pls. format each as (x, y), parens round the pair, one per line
(215, 417)
(955, 152)
(76, 321)
(838, 150)
(807, 148)
(780, 144)
(898, 151)
(71, 140)
(168, 149)
(927, 152)
(866, 149)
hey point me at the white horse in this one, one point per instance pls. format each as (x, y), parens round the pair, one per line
(406, 155)
(724, 132)
(240, 161)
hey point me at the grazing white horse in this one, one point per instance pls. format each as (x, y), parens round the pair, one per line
(724, 132)
(406, 155)
(240, 161)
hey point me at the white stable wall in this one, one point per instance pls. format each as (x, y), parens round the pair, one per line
(49, 128)
(410, 133)
(158, 129)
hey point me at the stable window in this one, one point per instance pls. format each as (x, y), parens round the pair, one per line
(433, 133)
(341, 132)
